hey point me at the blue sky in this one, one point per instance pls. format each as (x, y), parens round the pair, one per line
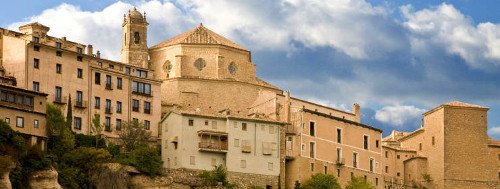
(397, 59)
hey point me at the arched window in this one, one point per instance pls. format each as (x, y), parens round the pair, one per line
(136, 38)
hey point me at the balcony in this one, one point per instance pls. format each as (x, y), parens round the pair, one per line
(212, 141)
(246, 149)
(109, 86)
(291, 129)
(340, 162)
(81, 104)
(16, 105)
(289, 154)
(108, 110)
(60, 100)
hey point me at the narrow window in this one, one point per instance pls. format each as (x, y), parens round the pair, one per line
(58, 45)
(397, 156)
(135, 105)
(398, 174)
(339, 136)
(36, 39)
(97, 78)
(147, 107)
(97, 102)
(58, 68)
(36, 63)
(79, 98)
(191, 122)
(339, 155)
(312, 167)
(387, 154)
(371, 164)
(119, 83)
(118, 124)
(58, 94)
(355, 160)
(107, 124)
(137, 37)
(311, 149)
(36, 86)
(365, 142)
(270, 166)
(376, 181)
(338, 173)
(118, 107)
(147, 124)
(79, 73)
(311, 128)
(420, 146)
(77, 123)
(108, 82)
(376, 143)
(325, 169)
(433, 141)
(243, 126)
(20, 122)
(108, 106)
(35, 123)
(386, 169)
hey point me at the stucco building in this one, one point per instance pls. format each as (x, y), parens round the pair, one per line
(199, 93)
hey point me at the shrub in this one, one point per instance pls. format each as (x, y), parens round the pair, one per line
(134, 135)
(146, 160)
(218, 174)
(82, 140)
(321, 181)
(114, 150)
(359, 182)
(5, 164)
(75, 165)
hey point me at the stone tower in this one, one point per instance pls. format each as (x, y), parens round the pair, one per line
(134, 46)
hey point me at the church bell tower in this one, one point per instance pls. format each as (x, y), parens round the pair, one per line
(134, 46)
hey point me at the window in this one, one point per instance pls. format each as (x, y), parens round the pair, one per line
(118, 124)
(147, 107)
(58, 68)
(420, 146)
(107, 124)
(79, 98)
(312, 167)
(271, 129)
(339, 135)
(311, 128)
(58, 53)
(191, 122)
(338, 173)
(77, 123)
(147, 124)
(376, 181)
(386, 169)
(97, 102)
(20, 122)
(79, 50)
(387, 154)
(58, 45)
(36, 48)
(433, 141)
(135, 105)
(97, 78)
(355, 160)
(339, 155)
(376, 143)
(398, 156)
(111, 66)
(365, 142)
(206, 122)
(36, 39)
(79, 73)
(127, 70)
(141, 73)
(36, 63)
(107, 106)
(137, 37)
(7, 120)
(243, 164)
(79, 58)
(118, 107)
(36, 86)
(398, 174)
(243, 126)
(372, 162)
(325, 169)
(58, 94)
(36, 123)
(119, 83)
(108, 82)
(141, 88)
(312, 149)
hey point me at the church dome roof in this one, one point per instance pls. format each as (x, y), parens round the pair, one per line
(135, 14)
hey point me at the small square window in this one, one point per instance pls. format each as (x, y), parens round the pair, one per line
(243, 126)
(206, 122)
(79, 58)
(58, 53)
(191, 122)
(36, 48)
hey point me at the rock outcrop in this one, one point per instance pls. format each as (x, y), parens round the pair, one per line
(44, 179)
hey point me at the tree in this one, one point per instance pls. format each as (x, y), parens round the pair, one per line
(321, 181)
(61, 138)
(97, 127)
(69, 114)
(359, 182)
(147, 160)
(133, 134)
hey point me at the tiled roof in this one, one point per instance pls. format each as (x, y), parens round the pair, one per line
(199, 35)
(463, 104)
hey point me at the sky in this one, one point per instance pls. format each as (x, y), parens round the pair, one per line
(397, 59)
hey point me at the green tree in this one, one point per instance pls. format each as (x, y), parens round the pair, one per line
(133, 135)
(147, 160)
(61, 138)
(358, 183)
(97, 127)
(321, 181)
(69, 114)
(218, 174)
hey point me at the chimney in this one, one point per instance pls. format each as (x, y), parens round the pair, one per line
(90, 50)
(98, 54)
(356, 110)
(64, 38)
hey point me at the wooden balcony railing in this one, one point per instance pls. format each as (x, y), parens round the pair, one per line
(219, 146)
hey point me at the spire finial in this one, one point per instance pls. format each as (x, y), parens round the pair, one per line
(201, 24)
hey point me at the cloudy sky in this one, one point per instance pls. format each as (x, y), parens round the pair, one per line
(397, 59)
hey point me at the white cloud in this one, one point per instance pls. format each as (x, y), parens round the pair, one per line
(446, 27)
(494, 131)
(398, 115)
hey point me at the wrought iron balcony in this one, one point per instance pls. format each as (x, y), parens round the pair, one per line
(340, 162)
(81, 104)
(60, 100)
